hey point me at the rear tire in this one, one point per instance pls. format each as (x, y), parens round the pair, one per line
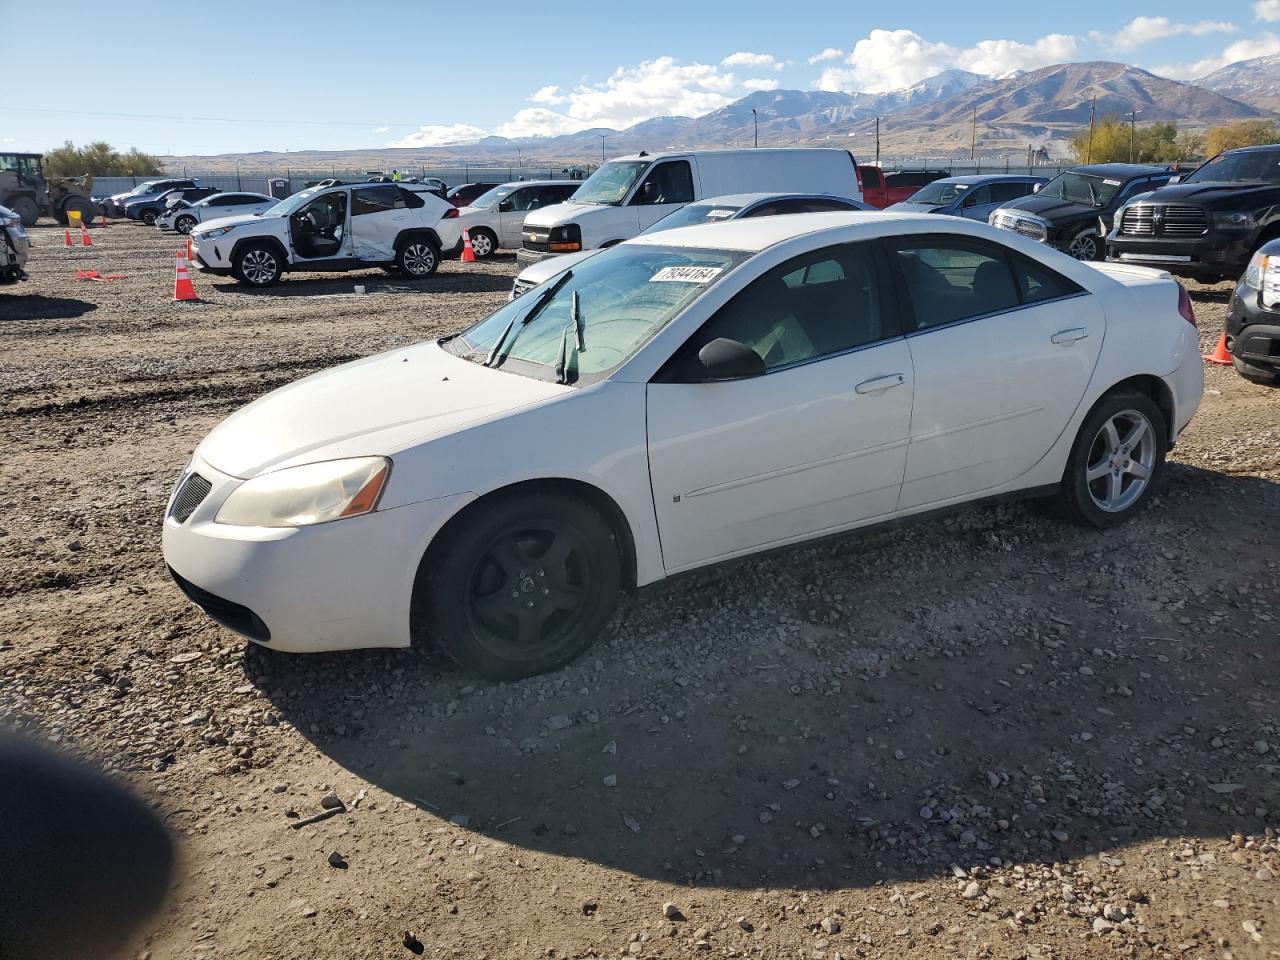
(1116, 461)
(184, 224)
(523, 586)
(149, 217)
(1259, 375)
(418, 258)
(483, 243)
(258, 265)
(26, 209)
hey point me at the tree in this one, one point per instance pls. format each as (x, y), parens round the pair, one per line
(1242, 133)
(1115, 140)
(101, 160)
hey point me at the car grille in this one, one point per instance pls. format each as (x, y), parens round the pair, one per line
(1021, 225)
(191, 492)
(1174, 220)
(520, 287)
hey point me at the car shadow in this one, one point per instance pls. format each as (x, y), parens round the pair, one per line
(34, 307)
(449, 279)
(989, 685)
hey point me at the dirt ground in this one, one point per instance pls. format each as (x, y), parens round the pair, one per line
(990, 735)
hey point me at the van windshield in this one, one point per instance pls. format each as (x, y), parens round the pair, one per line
(611, 182)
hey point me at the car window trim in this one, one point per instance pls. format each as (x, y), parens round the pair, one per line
(907, 309)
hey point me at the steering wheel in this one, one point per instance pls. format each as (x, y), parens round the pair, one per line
(312, 220)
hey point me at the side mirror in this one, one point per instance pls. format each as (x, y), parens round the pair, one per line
(505, 206)
(726, 359)
(1035, 187)
(1177, 179)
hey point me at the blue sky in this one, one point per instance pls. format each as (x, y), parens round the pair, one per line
(290, 76)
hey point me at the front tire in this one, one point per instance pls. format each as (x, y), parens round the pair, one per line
(26, 209)
(1116, 461)
(418, 258)
(149, 217)
(1085, 246)
(483, 243)
(1259, 375)
(184, 224)
(258, 265)
(522, 587)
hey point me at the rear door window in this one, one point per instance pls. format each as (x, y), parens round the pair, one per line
(377, 199)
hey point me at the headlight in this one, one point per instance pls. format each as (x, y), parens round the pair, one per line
(1236, 220)
(565, 239)
(306, 495)
(214, 233)
(1256, 271)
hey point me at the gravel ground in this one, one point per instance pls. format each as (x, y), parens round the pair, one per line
(985, 736)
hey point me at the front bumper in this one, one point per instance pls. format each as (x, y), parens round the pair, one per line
(1253, 331)
(1212, 257)
(525, 256)
(210, 256)
(343, 585)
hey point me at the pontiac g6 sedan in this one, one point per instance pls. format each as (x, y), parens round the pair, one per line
(679, 400)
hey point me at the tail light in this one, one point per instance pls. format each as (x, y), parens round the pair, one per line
(450, 214)
(1184, 305)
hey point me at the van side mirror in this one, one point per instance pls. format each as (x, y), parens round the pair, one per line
(1035, 187)
(725, 359)
(1177, 179)
(505, 206)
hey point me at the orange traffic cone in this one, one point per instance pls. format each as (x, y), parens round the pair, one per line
(1220, 354)
(468, 255)
(190, 255)
(183, 289)
(66, 239)
(84, 237)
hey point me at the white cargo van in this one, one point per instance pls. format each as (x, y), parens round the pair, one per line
(627, 194)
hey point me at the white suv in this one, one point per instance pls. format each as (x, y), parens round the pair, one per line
(185, 217)
(338, 226)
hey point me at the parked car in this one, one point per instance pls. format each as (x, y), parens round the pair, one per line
(495, 219)
(681, 399)
(183, 217)
(113, 205)
(401, 227)
(148, 209)
(882, 189)
(465, 194)
(974, 197)
(1253, 319)
(14, 247)
(1209, 223)
(629, 193)
(738, 206)
(1073, 211)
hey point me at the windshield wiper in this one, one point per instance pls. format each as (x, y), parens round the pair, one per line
(543, 299)
(575, 322)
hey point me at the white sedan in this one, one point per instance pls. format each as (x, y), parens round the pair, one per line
(680, 400)
(183, 217)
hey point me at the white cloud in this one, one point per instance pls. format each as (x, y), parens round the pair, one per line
(752, 61)
(1267, 10)
(1262, 46)
(892, 59)
(538, 122)
(761, 84)
(834, 53)
(381, 129)
(547, 94)
(440, 134)
(1144, 30)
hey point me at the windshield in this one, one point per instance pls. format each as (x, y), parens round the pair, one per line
(489, 199)
(142, 188)
(625, 295)
(1245, 167)
(289, 204)
(611, 182)
(1082, 188)
(694, 213)
(937, 192)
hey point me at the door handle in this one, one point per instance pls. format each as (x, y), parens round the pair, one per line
(1068, 337)
(877, 384)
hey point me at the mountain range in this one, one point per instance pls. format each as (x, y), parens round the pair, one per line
(940, 116)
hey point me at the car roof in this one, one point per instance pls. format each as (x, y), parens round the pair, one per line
(1256, 148)
(972, 178)
(746, 199)
(541, 183)
(753, 234)
(1122, 170)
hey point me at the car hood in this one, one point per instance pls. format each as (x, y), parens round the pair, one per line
(557, 213)
(1051, 208)
(548, 268)
(234, 220)
(371, 407)
(906, 206)
(1216, 194)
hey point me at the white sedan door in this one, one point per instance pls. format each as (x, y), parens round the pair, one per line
(1003, 349)
(814, 445)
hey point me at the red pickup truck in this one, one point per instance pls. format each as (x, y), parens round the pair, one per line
(881, 189)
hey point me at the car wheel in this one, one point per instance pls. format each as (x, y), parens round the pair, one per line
(483, 243)
(1259, 375)
(184, 224)
(26, 210)
(418, 258)
(523, 587)
(258, 265)
(1117, 460)
(149, 217)
(1084, 245)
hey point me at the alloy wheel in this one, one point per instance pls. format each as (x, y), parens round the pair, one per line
(259, 267)
(1121, 461)
(419, 259)
(1084, 247)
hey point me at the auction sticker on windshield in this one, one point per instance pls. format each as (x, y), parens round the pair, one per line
(720, 213)
(1112, 183)
(686, 274)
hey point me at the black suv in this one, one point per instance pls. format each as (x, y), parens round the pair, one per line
(1073, 211)
(1207, 224)
(1253, 323)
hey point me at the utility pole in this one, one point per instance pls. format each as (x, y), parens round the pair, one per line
(878, 141)
(973, 139)
(1133, 131)
(1093, 106)
(755, 127)
(603, 137)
